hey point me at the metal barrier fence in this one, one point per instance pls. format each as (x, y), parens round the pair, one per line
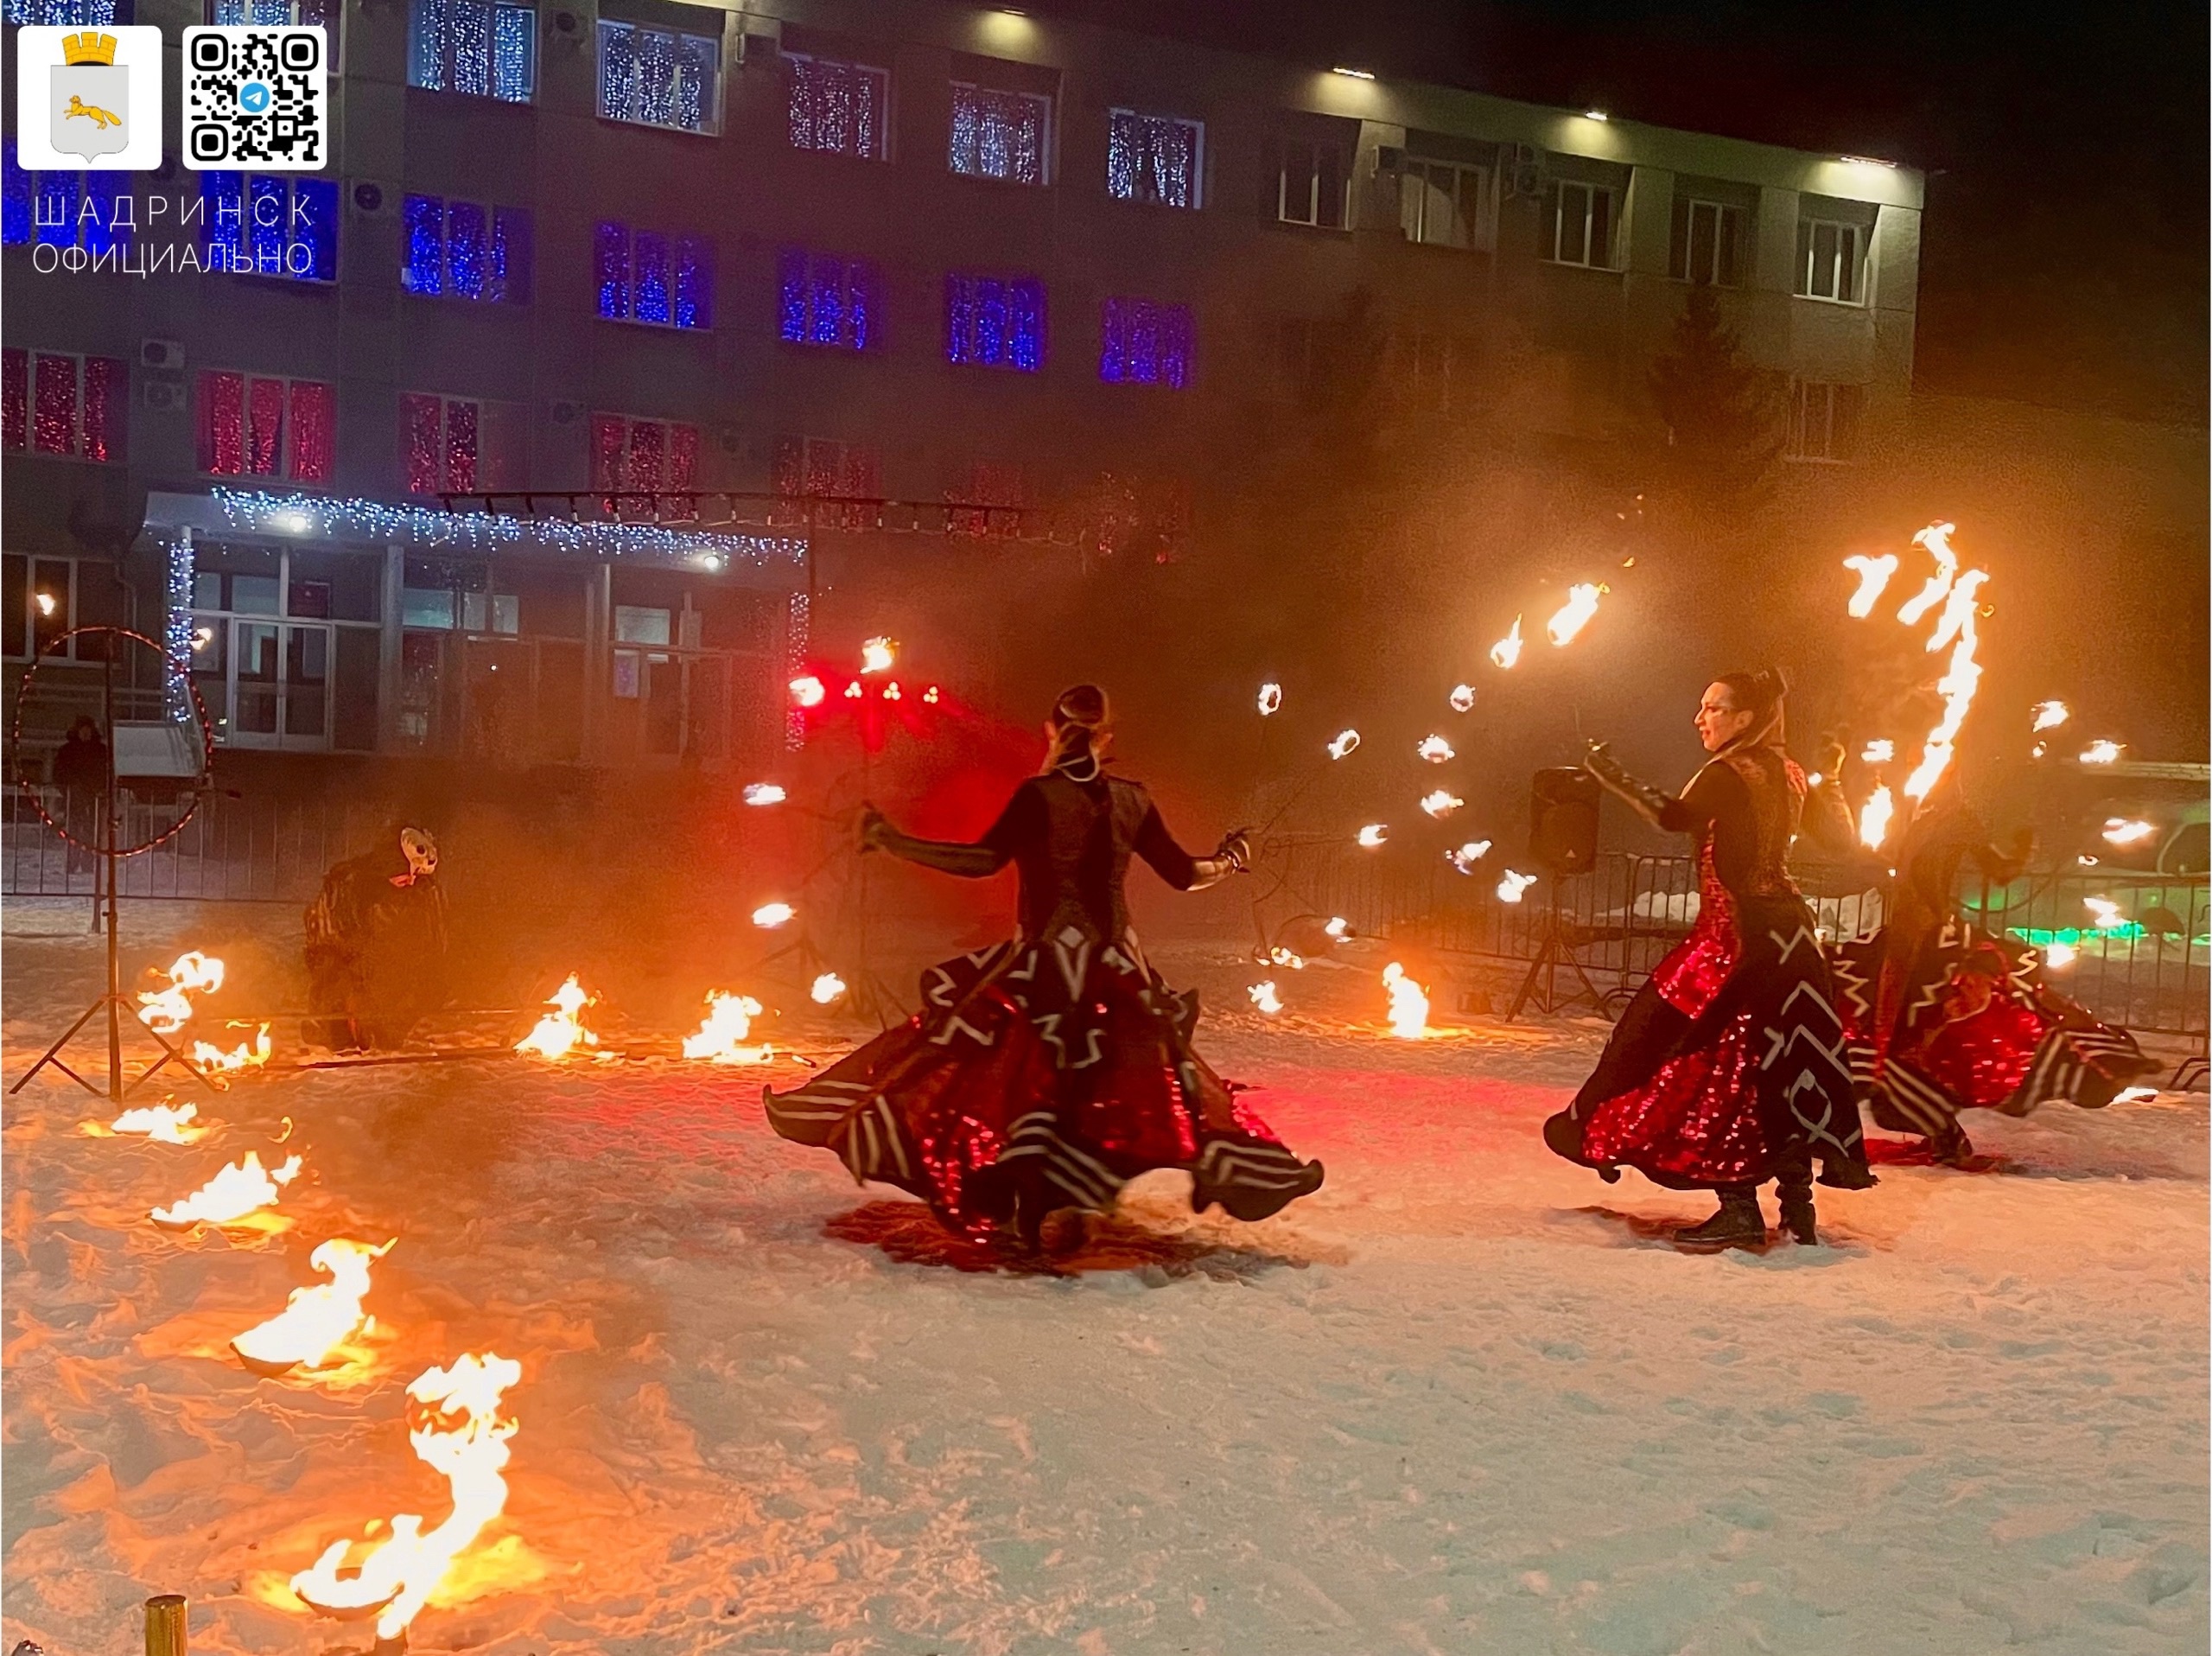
(2149, 968)
(234, 849)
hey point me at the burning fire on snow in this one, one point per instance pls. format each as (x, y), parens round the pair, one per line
(214, 1063)
(1463, 857)
(1408, 1003)
(770, 916)
(315, 1321)
(561, 1031)
(456, 1428)
(240, 1189)
(168, 1123)
(1462, 697)
(168, 1009)
(1264, 996)
(721, 1038)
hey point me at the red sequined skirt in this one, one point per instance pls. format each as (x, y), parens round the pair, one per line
(1060, 1070)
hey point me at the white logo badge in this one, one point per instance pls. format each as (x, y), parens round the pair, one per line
(88, 98)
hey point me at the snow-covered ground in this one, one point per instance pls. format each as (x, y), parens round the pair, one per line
(1465, 1399)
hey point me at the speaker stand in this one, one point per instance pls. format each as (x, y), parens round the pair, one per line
(1553, 952)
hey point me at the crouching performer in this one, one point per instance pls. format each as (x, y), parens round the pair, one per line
(376, 945)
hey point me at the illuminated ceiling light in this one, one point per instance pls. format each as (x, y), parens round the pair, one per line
(1353, 74)
(1866, 161)
(292, 523)
(1595, 115)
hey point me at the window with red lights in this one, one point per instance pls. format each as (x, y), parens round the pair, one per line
(459, 444)
(829, 468)
(628, 454)
(261, 425)
(59, 404)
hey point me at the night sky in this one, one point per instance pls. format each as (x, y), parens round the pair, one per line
(2065, 254)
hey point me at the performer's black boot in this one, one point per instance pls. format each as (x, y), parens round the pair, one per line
(1951, 1147)
(1798, 1212)
(1738, 1224)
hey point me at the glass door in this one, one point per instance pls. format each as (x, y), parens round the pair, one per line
(255, 685)
(306, 686)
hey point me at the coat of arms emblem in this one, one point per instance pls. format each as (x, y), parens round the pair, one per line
(91, 98)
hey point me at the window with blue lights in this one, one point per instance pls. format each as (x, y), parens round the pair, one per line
(1144, 343)
(465, 249)
(659, 77)
(648, 275)
(483, 48)
(324, 14)
(826, 299)
(271, 223)
(1000, 134)
(995, 321)
(1158, 159)
(63, 209)
(69, 14)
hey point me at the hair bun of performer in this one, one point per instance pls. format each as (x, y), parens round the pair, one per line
(1079, 730)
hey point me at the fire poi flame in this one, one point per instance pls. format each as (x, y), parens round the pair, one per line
(1441, 803)
(1408, 1003)
(561, 1031)
(878, 653)
(1463, 857)
(1462, 697)
(1373, 835)
(764, 793)
(1264, 996)
(1270, 698)
(770, 916)
(169, 1124)
(243, 1188)
(807, 690)
(1278, 956)
(1880, 751)
(1957, 687)
(1874, 816)
(214, 1062)
(1507, 650)
(2128, 830)
(721, 1038)
(168, 1009)
(1575, 614)
(1435, 749)
(457, 1429)
(2058, 956)
(2102, 752)
(1338, 928)
(315, 1321)
(2048, 716)
(1344, 743)
(1874, 574)
(1935, 540)
(2104, 913)
(827, 988)
(1509, 888)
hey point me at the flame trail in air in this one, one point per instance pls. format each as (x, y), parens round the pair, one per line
(1874, 574)
(1507, 650)
(1575, 614)
(168, 1009)
(1441, 803)
(2048, 716)
(1512, 886)
(1374, 834)
(1935, 540)
(1874, 816)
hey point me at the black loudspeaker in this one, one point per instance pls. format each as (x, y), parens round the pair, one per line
(1563, 820)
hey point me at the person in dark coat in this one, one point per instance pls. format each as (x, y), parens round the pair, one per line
(80, 768)
(376, 945)
(1046, 1071)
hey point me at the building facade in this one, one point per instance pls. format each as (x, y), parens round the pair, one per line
(914, 251)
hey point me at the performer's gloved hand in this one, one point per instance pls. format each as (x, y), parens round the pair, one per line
(876, 827)
(1236, 849)
(1650, 803)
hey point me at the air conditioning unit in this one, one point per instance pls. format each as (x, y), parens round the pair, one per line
(166, 354)
(567, 413)
(1521, 169)
(165, 396)
(374, 201)
(1389, 158)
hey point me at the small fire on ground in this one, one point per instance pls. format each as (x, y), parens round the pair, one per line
(315, 1321)
(1408, 1003)
(720, 1039)
(561, 1031)
(239, 1190)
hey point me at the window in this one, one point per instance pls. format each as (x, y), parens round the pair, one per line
(221, 14)
(1000, 133)
(64, 209)
(995, 321)
(1142, 343)
(40, 605)
(256, 426)
(67, 13)
(838, 109)
(829, 300)
(70, 406)
(1313, 184)
(645, 276)
(459, 444)
(657, 77)
(1577, 227)
(1443, 204)
(980, 487)
(1824, 421)
(483, 48)
(630, 454)
(1831, 260)
(1157, 159)
(1708, 243)
(467, 250)
(279, 224)
(829, 468)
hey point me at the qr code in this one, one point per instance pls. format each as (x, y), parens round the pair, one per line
(257, 97)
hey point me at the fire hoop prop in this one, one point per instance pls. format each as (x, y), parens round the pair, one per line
(107, 843)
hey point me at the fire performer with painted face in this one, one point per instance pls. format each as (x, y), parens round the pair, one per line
(1045, 1072)
(1728, 1069)
(376, 945)
(1943, 1016)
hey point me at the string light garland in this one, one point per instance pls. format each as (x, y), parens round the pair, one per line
(176, 625)
(373, 520)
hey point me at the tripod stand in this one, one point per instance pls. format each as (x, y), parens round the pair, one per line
(1555, 950)
(112, 1003)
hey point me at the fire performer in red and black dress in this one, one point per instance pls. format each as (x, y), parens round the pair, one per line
(1943, 1016)
(1727, 1069)
(1046, 1071)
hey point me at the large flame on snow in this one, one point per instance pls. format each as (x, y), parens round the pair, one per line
(315, 1321)
(721, 1038)
(214, 1062)
(1408, 1003)
(243, 1188)
(397, 1577)
(168, 1009)
(169, 1124)
(561, 1031)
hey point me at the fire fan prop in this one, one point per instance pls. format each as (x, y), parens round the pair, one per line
(457, 1429)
